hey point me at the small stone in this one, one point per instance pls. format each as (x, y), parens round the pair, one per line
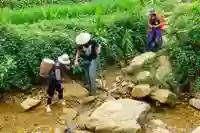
(195, 103)
(118, 79)
(197, 130)
(88, 99)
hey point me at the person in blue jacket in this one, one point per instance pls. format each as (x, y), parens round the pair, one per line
(60, 65)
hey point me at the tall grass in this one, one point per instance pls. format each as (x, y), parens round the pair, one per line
(19, 4)
(49, 12)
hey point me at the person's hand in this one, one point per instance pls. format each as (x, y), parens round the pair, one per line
(150, 26)
(76, 63)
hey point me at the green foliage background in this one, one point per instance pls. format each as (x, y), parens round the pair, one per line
(32, 30)
(26, 38)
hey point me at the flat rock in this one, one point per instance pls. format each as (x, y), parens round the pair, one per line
(197, 130)
(156, 126)
(74, 90)
(30, 103)
(88, 99)
(141, 90)
(195, 103)
(119, 116)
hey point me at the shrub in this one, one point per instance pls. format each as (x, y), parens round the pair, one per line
(183, 48)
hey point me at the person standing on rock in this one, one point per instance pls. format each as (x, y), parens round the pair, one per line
(89, 51)
(60, 65)
(154, 33)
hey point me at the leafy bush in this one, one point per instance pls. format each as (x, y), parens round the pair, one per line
(184, 43)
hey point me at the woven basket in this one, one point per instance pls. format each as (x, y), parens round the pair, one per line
(45, 67)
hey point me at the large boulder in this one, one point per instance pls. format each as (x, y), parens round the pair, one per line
(197, 130)
(143, 77)
(164, 96)
(140, 91)
(118, 116)
(195, 103)
(139, 61)
(156, 126)
(164, 69)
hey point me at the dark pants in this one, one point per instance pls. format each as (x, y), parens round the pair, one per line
(154, 37)
(54, 85)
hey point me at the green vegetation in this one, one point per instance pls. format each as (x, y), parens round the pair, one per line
(184, 47)
(23, 46)
(29, 33)
(17, 4)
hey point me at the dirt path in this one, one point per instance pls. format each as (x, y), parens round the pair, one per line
(180, 119)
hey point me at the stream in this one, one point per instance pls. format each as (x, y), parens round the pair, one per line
(181, 119)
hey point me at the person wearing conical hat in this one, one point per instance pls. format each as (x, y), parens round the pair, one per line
(60, 65)
(88, 50)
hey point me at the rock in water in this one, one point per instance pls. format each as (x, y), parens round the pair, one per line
(68, 113)
(195, 103)
(30, 103)
(197, 130)
(88, 99)
(164, 96)
(119, 116)
(156, 126)
(144, 77)
(140, 91)
(139, 61)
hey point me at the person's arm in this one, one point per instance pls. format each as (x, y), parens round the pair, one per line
(98, 49)
(77, 55)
